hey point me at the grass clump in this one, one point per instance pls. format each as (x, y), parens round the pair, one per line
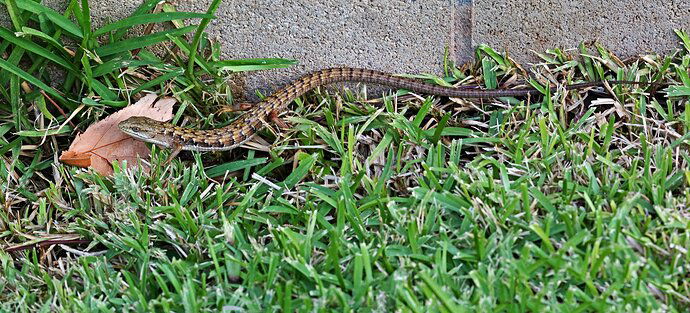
(574, 202)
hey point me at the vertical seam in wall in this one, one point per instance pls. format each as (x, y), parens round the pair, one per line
(471, 30)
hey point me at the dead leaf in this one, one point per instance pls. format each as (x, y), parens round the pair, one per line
(103, 142)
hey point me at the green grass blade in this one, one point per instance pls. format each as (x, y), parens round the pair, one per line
(31, 79)
(158, 80)
(34, 48)
(195, 42)
(148, 18)
(234, 166)
(13, 13)
(140, 42)
(678, 91)
(115, 64)
(42, 35)
(59, 20)
(244, 65)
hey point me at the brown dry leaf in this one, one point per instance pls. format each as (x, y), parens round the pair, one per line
(103, 142)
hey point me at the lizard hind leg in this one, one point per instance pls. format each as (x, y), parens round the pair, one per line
(277, 120)
(174, 152)
(237, 107)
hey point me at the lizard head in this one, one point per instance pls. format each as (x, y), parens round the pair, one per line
(146, 129)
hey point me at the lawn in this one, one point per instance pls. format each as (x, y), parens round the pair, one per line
(575, 201)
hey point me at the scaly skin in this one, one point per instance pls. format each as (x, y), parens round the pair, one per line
(244, 127)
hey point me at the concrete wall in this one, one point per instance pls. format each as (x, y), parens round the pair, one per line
(626, 27)
(411, 35)
(390, 35)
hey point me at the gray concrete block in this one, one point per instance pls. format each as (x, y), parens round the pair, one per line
(5, 18)
(391, 35)
(626, 27)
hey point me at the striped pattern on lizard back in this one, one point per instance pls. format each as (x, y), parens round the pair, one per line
(241, 129)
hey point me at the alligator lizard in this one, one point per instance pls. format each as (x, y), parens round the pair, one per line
(244, 127)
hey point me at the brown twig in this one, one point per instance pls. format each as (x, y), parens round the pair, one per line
(57, 107)
(46, 243)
